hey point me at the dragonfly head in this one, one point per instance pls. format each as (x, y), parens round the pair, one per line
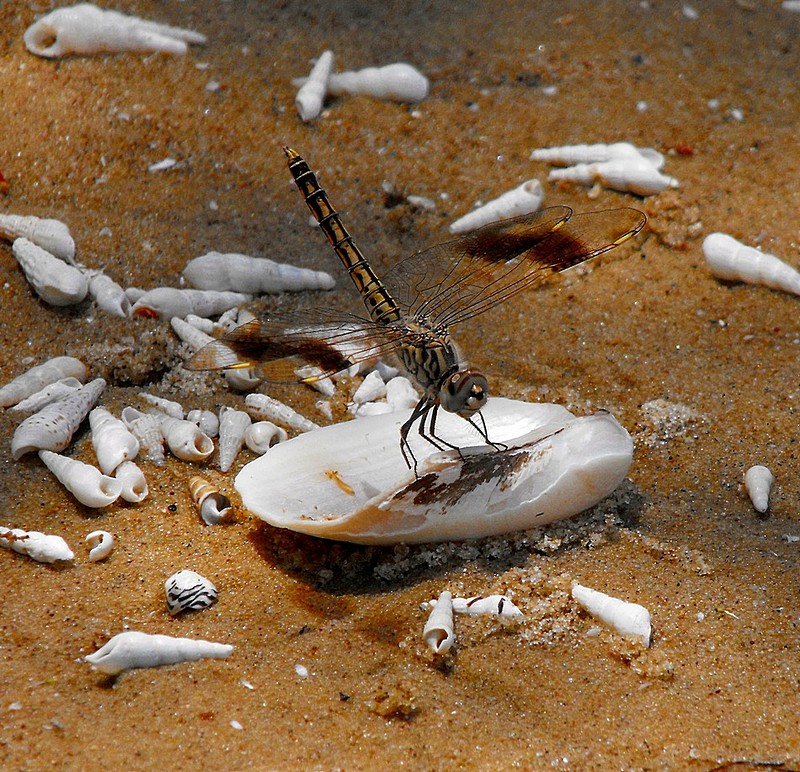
(464, 392)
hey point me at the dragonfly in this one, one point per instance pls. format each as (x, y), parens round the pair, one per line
(413, 308)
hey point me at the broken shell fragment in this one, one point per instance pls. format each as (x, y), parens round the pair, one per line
(42, 547)
(731, 260)
(134, 484)
(493, 605)
(232, 426)
(134, 649)
(167, 302)
(555, 466)
(631, 175)
(51, 235)
(112, 441)
(252, 275)
(86, 483)
(311, 95)
(213, 505)
(524, 199)
(87, 29)
(188, 591)
(56, 282)
(370, 389)
(39, 376)
(628, 619)
(438, 631)
(758, 483)
(101, 544)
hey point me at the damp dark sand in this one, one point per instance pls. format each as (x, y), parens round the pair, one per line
(704, 376)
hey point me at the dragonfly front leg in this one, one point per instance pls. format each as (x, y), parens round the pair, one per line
(484, 432)
(417, 414)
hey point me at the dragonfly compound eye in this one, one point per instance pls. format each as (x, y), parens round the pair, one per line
(464, 393)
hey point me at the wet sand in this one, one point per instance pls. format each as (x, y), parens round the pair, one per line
(703, 374)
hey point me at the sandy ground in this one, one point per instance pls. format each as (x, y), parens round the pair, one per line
(703, 374)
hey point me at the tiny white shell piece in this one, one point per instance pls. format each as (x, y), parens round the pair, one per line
(101, 544)
(349, 481)
(166, 406)
(267, 408)
(56, 282)
(55, 391)
(730, 260)
(628, 619)
(38, 546)
(39, 376)
(212, 504)
(185, 440)
(310, 374)
(758, 483)
(399, 82)
(632, 175)
(134, 485)
(262, 435)
(50, 235)
(370, 389)
(134, 649)
(438, 631)
(232, 426)
(167, 302)
(191, 334)
(108, 295)
(112, 441)
(568, 155)
(252, 275)
(205, 420)
(311, 95)
(524, 199)
(372, 408)
(146, 427)
(86, 29)
(53, 426)
(188, 591)
(202, 324)
(85, 482)
(401, 394)
(494, 605)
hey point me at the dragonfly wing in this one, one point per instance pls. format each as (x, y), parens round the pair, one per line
(462, 278)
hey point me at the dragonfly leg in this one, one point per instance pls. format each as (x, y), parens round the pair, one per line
(484, 432)
(417, 414)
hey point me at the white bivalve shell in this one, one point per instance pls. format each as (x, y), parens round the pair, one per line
(232, 426)
(188, 591)
(399, 82)
(53, 426)
(56, 282)
(112, 441)
(521, 200)
(86, 29)
(167, 302)
(86, 483)
(311, 95)
(40, 376)
(134, 649)
(51, 235)
(38, 546)
(628, 619)
(252, 275)
(631, 175)
(349, 481)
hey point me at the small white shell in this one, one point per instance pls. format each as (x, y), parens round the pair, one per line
(38, 546)
(267, 408)
(370, 389)
(628, 619)
(401, 394)
(567, 155)
(232, 426)
(185, 440)
(262, 435)
(370, 408)
(108, 295)
(166, 406)
(311, 95)
(39, 376)
(188, 591)
(167, 302)
(632, 175)
(85, 482)
(112, 441)
(730, 260)
(86, 29)
(101, 544)
(758, 483)
(399, 82)
(51, 235)
(310, 374)
(56, 282)
(205, 420)
(252, 275)
(134, 485)
(146, 427)
(438, 631)
(523, 199)
(53, 426)
(212, 504)
(493, 605)
(349, 482)
(55, 391)
(202, 324)
(134, 649)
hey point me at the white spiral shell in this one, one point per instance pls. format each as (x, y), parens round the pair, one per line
(134, 649)
(311, 95)
(185, 440)
(263, 407)
(56, 282)
(206, 420)
(567, 155)
(232, 426)
(252, 275)
(167, 302)
(188, 591)
(166, 406)
(85, 482)
(146, 427)
(101, 545)
(758, 482)
(51, 393)
(38, 546)
(108, 295)
(523, 199)
(53, 426)
(399, 82)
(213, 505)
(628, 619)
(50, 235)
(134, 484)
(631, 175)
(492, 605)
(86, 29)
(370, 389)
(39, 376)
(262, 435)
(438, 630)
(112, 441)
